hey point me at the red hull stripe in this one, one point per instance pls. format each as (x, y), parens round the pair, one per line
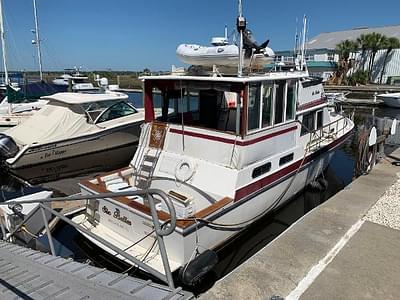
(311, 104)
(230, 141)
(263, 182)
(255, 186)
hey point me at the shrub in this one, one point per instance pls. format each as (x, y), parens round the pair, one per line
(358, 77)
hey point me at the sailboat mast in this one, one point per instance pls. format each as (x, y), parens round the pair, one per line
(3, 43)
(38, 40)
(303, 46)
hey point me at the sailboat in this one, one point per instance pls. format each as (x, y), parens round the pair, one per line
(12, 114)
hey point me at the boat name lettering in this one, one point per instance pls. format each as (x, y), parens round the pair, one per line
(54, 153)
(106, 210)
(116, 215)
(316, 92)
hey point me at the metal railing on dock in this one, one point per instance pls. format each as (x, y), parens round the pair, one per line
(30, 274)
(160, 230)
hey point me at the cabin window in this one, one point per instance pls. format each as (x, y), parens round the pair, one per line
(320, 119)
(267, 104)
(308, 123)
(291, 100)
(117, 110)
(208, 105)
(187, 108)
(265, 168)
(253, 117)
(280, 101)
(285, 159)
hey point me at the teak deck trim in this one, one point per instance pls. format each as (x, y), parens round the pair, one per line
(163, 216)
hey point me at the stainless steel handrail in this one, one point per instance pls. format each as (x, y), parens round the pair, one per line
(317, 136)
(159, 230)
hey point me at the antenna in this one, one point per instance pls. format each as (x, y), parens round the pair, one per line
(37, 41)
(241, 27)
(3, 44)
(226, 32)
(303, 45)
(296, 40)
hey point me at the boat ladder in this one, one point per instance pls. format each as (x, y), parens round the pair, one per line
(144, 173)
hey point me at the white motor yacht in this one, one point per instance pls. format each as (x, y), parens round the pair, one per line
(225, 151)
(72, 124)
(78, 82)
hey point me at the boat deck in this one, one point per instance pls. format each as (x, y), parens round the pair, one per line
(29, 274)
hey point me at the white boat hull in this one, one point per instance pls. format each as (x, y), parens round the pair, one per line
(182, 243)
(85, 144)
(391, 100)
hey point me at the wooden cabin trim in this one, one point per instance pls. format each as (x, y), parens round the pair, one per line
(118, 171)
(163, 216)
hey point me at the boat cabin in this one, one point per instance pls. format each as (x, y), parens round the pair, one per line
(212, 103)
(98, 108)
(247, 111)
(67, 115)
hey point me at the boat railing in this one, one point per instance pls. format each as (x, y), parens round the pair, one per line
(160, 229)
(327, 132)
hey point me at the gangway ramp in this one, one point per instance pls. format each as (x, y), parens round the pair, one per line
(30, 274)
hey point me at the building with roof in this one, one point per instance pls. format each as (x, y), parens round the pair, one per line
(322, 58)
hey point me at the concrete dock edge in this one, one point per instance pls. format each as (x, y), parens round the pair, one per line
(279, 267)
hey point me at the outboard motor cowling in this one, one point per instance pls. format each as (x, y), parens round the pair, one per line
(8, 147)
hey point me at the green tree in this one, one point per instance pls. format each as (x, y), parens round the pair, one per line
(375, 42)
(389, 44)
(344, 49)
(363, 45)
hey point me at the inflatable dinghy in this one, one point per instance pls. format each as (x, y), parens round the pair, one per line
(223, 54)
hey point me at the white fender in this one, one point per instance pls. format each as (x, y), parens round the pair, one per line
(393, 128)
(372, 137)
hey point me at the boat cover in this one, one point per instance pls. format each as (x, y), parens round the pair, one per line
(55, 121)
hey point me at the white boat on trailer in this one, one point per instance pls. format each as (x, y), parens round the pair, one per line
(225, 151)
(72, 124)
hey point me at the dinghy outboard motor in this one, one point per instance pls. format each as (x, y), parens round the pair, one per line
(8, 148)
(250, 44)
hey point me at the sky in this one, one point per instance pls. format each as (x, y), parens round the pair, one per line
(137, 34)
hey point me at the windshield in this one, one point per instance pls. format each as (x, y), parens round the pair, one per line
(118, 110)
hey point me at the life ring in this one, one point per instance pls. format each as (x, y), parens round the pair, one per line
(184, 170)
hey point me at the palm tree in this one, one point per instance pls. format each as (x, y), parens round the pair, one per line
(376, 42)
(363, 41)
(389, 44)
(344, 49)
